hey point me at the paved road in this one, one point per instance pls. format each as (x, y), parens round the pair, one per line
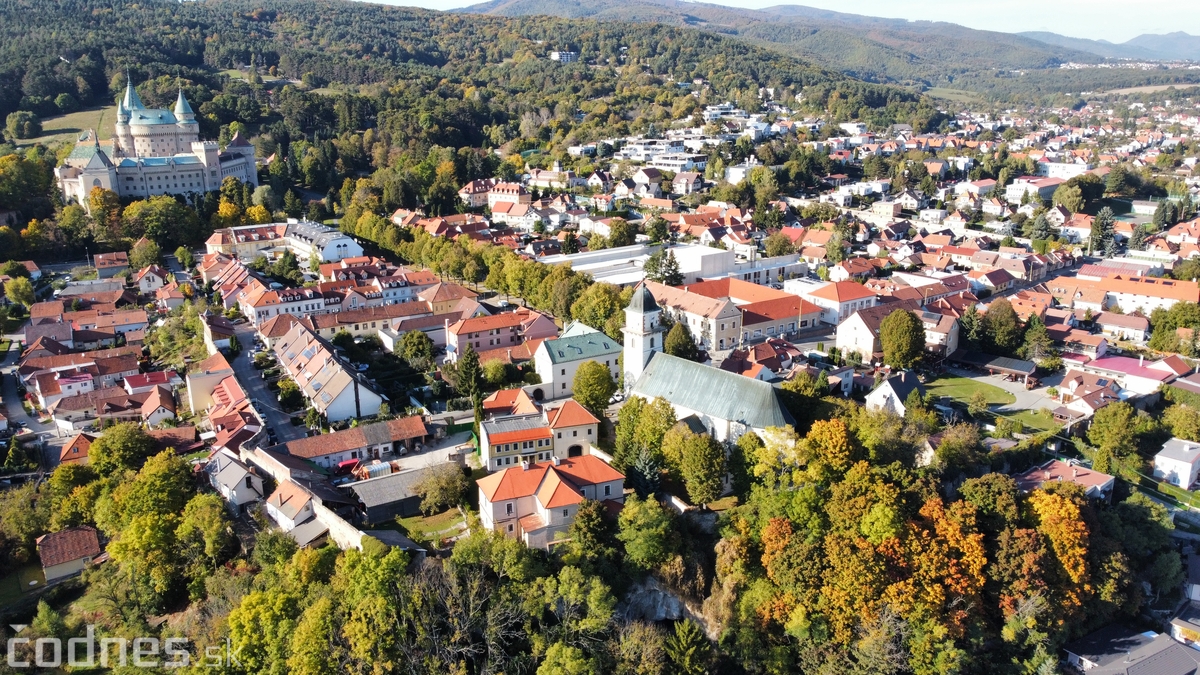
(267, 400)
(16, 412)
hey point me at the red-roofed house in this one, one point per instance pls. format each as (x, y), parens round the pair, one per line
(65, 553)
(501, 330)
(840, 300)
(537, 503)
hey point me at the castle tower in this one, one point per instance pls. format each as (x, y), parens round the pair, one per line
(643, 333)
(183, 110)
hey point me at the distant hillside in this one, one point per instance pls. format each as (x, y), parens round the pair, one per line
(885, 50)
(1171, 46)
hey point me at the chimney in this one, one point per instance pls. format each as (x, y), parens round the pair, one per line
(1047, 475)
(557, 460)
(526, 465)
(1075, 472)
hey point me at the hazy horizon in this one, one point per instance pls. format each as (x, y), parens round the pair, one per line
(1090, 19)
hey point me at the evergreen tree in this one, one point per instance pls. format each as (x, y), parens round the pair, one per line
(670, 273)
(646, 474)
(971, 328)
(679, 342)
(1102, 231)
(1040, 228)
(1038, 343)
(292, 205)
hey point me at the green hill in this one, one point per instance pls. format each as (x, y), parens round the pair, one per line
(922, 53)
(81, 48)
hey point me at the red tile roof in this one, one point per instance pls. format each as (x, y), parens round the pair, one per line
(68, 545)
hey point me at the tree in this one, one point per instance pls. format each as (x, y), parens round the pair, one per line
(703, 469)
(442, 487)
(593, 386)
(645, 530)
(971, 328)
(292, 205)
(14, 268)
(778, 244)
(563, 659)
(591, 538)
(495, 372)
(1040, 228)
(1002, 328)
(679, 343)
(658, 229)
(688, 649)
(290, 397)
(977, 404)
(903, 338)
(669, 273)
(469, 374)
(144, 254)
(122, 446)
(19, 290)
(1102, 230)
(23, 124)
(1069, 197)
(1038, 343)
(185, 257)
(417, 347)
(620, 233)
(1184, 422)
(1113, 429)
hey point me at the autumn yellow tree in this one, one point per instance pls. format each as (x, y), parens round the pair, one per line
(256, 215)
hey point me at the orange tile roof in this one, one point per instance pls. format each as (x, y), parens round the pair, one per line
(554, 492)
(843, 291)
(570, 414)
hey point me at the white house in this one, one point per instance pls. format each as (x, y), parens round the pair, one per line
(150, 279)
(289, 505)
(1178, 462)
(335, 390)
(891, 394)
(536, 503)
(233, 480)
(557, 360)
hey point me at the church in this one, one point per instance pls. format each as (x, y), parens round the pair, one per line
(153, 152)
(726, 404)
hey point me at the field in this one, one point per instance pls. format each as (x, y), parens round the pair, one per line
(962, 388)
(67, 128)
(1149, 89)
(1034, 421)
(956, 95)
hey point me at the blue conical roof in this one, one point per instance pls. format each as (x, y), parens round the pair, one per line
(132, 102)
(181, 105)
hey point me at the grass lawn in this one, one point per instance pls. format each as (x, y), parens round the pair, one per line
(426, 529)
(962, 388)
(68, 127)
(16, 584)
(724, 504)
(1033, 420)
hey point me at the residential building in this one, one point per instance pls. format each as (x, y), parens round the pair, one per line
(66, 553)
(150, 279)
(510, 329)
(536, 503)
(566, 431)
(1096, 485)
(333, 387)
(109, 265)
(838, 300)
(1178, 462)
(306, 240)
(1110, 648)
(893, 392)
(237, 484)
(379, 440)
(556, 360)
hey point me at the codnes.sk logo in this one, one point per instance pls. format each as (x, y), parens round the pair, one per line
(90, 652)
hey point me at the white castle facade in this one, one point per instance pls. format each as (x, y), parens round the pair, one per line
(154, 152)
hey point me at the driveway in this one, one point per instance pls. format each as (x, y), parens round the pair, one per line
(266, 401)
(434, 454)
(1027, 399)
(16, 412)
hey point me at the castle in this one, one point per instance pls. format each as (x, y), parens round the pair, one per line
(153, 152)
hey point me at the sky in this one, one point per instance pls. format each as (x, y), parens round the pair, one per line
(1112, 20)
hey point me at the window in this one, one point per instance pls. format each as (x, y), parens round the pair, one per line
(508, 508)
(249, 482)
(575, 432)
(589, 432)
(563, 371)
(566, 513)
(607, 490)
(560, 434)
(510, 528)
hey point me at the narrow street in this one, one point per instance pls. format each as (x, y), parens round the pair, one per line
(266, 401)
(16, 412)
